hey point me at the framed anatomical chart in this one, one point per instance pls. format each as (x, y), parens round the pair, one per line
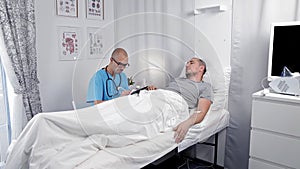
(67, 8)
(69, 42)
(95, 9)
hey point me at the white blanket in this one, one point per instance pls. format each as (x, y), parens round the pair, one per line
(66, 139)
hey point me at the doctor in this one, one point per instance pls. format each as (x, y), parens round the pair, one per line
(110, 82)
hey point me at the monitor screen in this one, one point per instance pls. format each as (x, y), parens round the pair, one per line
(284, 48)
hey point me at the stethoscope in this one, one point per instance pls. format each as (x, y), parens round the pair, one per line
(114, 83)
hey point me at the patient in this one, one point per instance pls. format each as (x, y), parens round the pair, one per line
(110, 82)
(195, 92)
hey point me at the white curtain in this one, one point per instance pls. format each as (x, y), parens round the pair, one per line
(155, 35)
(250, 45)
(16, 108)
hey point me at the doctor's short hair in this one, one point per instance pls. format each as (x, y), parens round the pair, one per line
(119, 51)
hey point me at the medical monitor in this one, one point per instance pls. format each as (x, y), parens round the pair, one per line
(284, 48)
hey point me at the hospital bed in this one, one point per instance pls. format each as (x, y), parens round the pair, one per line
(53, 140)
(71, 139)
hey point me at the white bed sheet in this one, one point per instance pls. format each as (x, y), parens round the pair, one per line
(132, 156)
(65, 145)
(145, 152)
(67, 139)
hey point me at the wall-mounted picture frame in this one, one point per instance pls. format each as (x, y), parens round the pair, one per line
(69, 39)
(95, 45)
(95, 9)
(67, 8)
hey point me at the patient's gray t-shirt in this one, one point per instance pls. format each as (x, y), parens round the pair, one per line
(191, 91)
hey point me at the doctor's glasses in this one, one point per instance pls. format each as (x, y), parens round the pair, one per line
(120, 63)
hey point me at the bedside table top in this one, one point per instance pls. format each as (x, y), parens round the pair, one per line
(275, 96)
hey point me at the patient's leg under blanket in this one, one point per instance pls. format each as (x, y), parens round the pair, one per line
(73, 136)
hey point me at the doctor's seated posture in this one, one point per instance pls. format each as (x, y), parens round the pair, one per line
(110, 82)
(196, 92)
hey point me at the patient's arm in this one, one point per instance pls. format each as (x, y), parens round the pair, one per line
(183, 127)
(202, 109)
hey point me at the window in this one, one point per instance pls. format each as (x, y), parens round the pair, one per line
(5, 129)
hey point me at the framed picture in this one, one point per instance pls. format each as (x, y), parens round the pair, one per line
(95, 42)
(67, 8)
(95, 9)
(69, 42)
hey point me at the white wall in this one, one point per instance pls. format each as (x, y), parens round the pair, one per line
(216, 26)
(160, 40)
(61, 82)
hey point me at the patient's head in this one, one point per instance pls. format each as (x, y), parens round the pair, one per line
(118, 60)
(195, 69)
(202, 63)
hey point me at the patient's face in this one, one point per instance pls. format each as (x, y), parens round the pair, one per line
(192, 67)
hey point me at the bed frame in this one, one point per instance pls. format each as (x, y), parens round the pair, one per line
(174, 152)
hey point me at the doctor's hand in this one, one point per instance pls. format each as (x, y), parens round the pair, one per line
(125, 92)
(181, 129)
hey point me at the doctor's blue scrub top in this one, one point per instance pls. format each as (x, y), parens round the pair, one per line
(103, 88)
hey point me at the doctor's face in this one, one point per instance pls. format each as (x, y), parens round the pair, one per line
(120, 63)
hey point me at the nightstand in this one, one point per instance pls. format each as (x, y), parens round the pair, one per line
(275, 131)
